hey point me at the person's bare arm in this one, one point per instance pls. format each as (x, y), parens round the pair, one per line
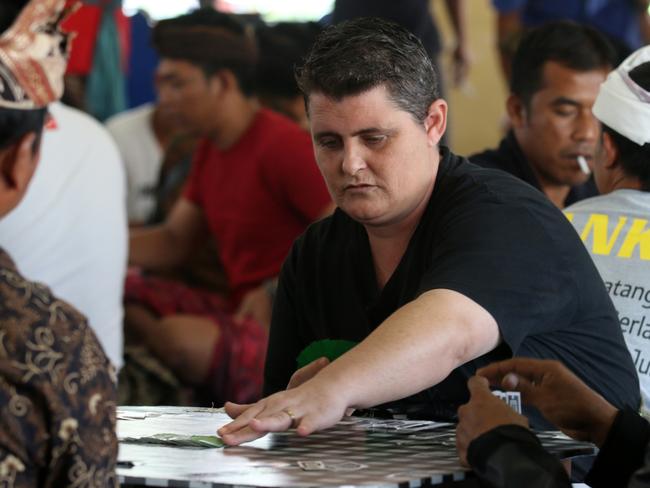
(415, 348)
(457, 11)
(509, 31)
(169, 244)
(644, 22)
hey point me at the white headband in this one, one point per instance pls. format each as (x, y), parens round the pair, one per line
(623, 105)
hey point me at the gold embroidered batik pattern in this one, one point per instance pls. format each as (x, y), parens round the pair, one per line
(57, 392)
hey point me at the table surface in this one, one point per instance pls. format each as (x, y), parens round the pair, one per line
(355, 452)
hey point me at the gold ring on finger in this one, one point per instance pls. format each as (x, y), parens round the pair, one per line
(291, 415)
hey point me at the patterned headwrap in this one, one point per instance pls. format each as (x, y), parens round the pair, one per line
(33, 56)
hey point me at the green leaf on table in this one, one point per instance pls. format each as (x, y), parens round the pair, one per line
(208, 440)
(177, 440)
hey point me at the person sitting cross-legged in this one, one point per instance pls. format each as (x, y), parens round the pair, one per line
(254, 186)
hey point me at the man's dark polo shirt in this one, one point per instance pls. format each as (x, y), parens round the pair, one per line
(509, 157)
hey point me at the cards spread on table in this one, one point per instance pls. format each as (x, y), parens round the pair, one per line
(311, 465)
(178, 440)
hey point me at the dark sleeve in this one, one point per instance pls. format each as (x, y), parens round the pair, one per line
(82, 433)
(502, 257)
(641, 477)
(623, 451)
(23, 430)
(488, 159)
(511, 456)
(13, 468)
(284, 344)
(59, 422)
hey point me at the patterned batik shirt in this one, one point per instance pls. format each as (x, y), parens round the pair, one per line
(57, 391)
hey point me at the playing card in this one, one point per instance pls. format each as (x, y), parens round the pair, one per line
(511, 398)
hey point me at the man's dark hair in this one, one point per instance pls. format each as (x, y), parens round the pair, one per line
(9, 10)
(14, 124)
(634, 159)
(281, 48)
(212, 41)
(574, 46)
(358, 55)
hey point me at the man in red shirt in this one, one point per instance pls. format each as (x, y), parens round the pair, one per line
(254, 186)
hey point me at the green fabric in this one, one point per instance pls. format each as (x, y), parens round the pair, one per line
(329, 348)
(106, 85)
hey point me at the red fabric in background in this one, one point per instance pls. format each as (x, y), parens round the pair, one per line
(237, 366)
(257, 197)
(85, 24)
(124, 31)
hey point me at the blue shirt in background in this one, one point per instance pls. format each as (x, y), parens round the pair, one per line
(619, 19)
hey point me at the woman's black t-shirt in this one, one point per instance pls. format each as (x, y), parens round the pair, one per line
(484, 234)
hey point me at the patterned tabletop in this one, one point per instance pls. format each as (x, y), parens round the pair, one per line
(355, 452)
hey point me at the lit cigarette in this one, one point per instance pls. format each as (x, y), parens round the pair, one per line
(584, 167)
